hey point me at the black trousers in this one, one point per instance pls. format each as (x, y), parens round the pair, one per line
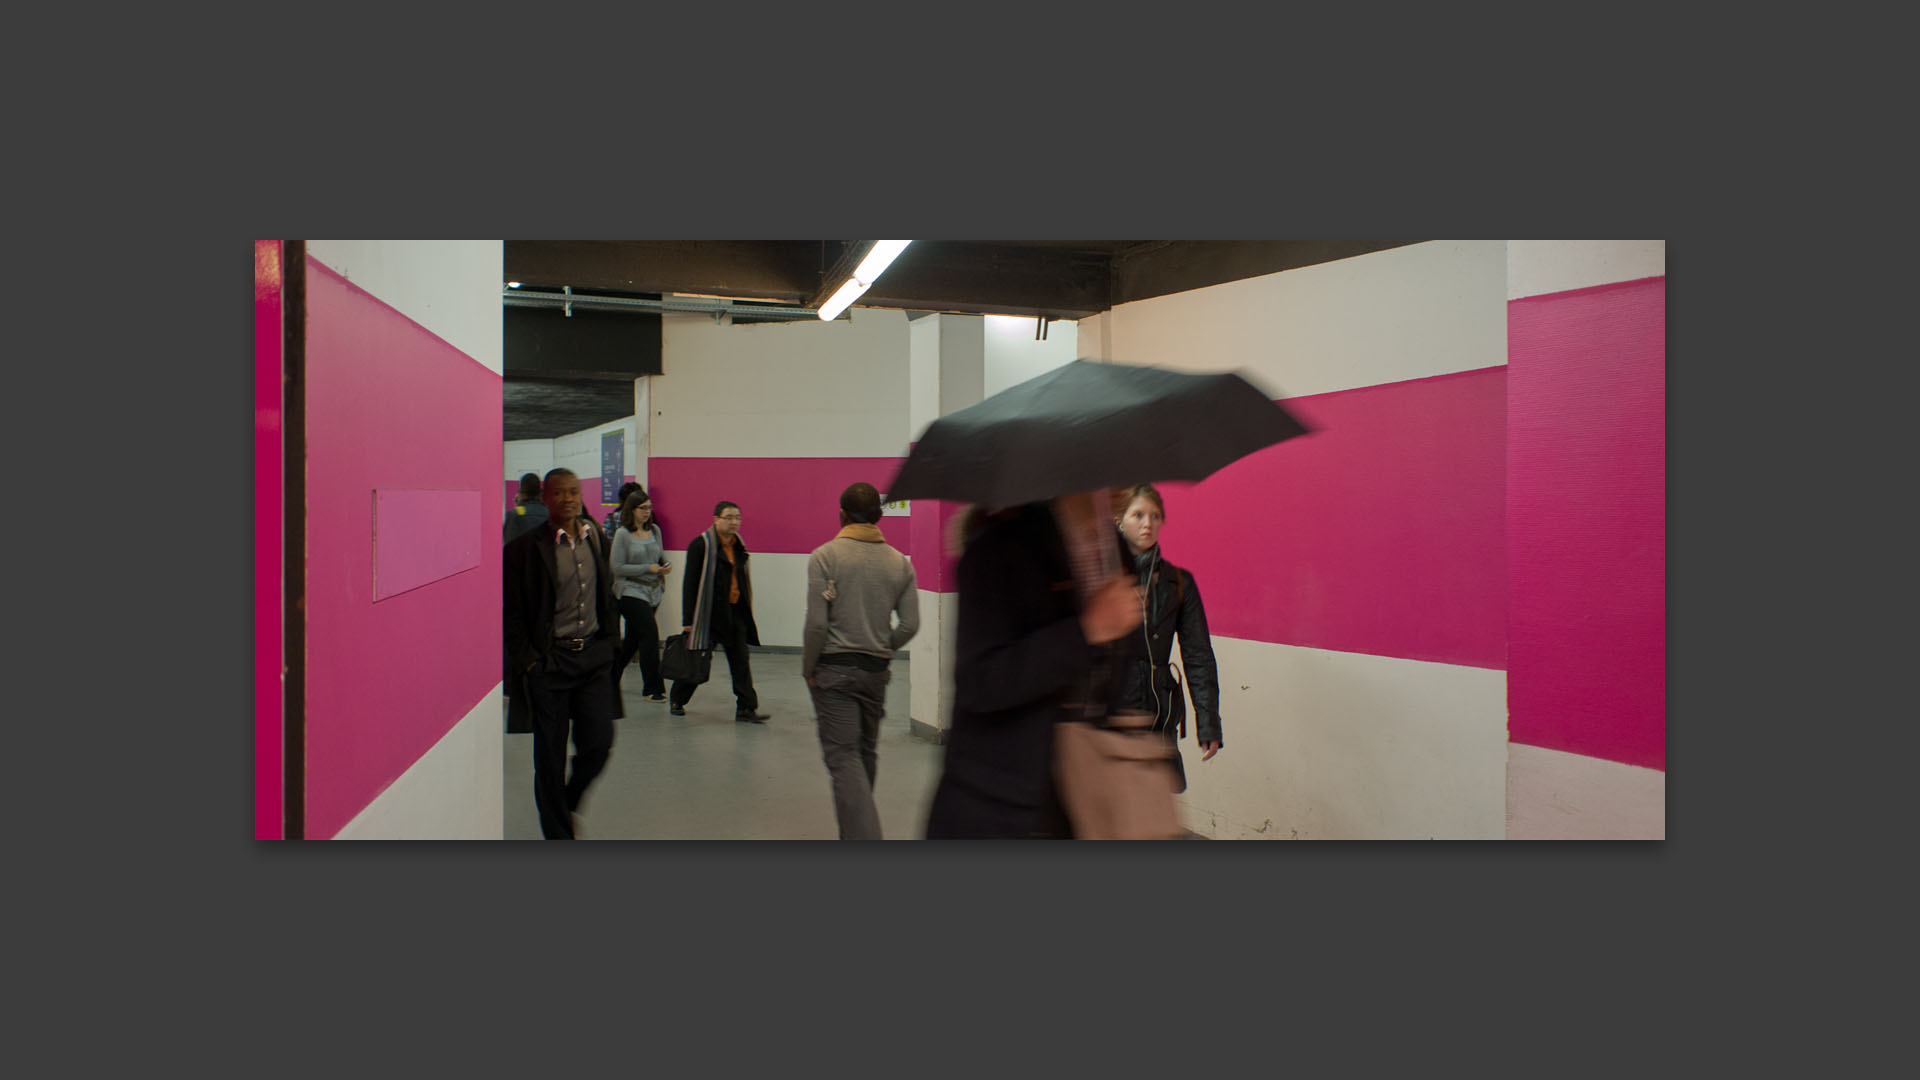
(643, 640)
(730, 635)
(570, 690)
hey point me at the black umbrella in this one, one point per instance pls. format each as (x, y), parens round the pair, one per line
(1090, 425)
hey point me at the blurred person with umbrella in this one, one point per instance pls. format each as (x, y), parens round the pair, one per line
(1042, 594)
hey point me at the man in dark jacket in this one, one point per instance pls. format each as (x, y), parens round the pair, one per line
(1023, 649)
(716, 605)
(561, 627)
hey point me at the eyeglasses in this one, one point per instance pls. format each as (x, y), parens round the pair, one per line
(729, 517)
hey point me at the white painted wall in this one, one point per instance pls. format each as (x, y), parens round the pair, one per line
(923, 405)
(452, 793)
(931, 694)
(802, 389)
(1386, 316)
(1554, 795)
(527, 456)
(1535, 267)
(451, 287)
(783, 390)
(1012, 356)
(1322, 744)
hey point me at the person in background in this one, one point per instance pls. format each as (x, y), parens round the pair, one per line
(862, 605)
(640, 567)
(716, 607)
(1171, 608)
(612, 527)
(527, 509)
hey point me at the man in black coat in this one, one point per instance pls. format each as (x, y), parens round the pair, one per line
(1023, 649)
(716, 604)
(562, 627)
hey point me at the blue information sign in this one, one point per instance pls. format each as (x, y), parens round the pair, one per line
(613, 465)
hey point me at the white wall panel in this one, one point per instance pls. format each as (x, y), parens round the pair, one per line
(1536, 267)
(779, 596)
(451, 793)
(932, 670)
(451, 287)
(1554, 795)
(1387, 316)
(923, 408)
(802, 389)
(528, 456)
(1013, 355)
(1327, 745)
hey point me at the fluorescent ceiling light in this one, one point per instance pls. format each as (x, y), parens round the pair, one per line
(513, 284)
(846, 294)
(879, 259)
(864, 275)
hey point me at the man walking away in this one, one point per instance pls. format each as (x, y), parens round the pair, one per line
(862, 605)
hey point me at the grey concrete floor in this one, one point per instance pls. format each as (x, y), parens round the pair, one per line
(705, 776)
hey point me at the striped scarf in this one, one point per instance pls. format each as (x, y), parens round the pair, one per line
(703, 595)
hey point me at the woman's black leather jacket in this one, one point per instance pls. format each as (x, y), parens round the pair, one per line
(1146, 681)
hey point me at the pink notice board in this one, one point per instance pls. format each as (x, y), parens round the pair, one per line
(1381, 532)
(1586, 524)
(268, 715)
(391, 407)
(420, 537)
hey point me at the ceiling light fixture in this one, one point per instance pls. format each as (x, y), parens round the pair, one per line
(513, 284)
(864, 275)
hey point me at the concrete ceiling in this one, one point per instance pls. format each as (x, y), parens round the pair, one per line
(1051, 279)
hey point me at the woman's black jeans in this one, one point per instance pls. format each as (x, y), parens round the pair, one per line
(643, 637)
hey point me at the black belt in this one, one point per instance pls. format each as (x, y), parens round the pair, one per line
(572, 644)
(853, 659)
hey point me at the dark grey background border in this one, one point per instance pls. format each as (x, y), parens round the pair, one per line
(711, 954)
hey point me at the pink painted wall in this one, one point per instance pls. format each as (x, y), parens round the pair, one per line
(268, 716)
(1382, 532)
(390, 406)
(1586, 526)
(931, 532)
(789, 505)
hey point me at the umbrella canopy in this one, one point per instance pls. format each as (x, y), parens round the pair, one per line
(1089, 425)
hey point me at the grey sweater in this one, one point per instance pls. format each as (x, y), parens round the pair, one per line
(858, 585)
(632, 554)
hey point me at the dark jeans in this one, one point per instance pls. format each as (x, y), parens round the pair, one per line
(570, 689)
(643, 639)
(848, 705)
(729, 635)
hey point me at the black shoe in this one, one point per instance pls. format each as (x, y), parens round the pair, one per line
(750, 717)
(676, 710)
(656, 697)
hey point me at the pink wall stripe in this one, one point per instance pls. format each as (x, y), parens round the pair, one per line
(390, 406)
(787, 505)
(1586, 527)
(268, 717)
(1382, 532)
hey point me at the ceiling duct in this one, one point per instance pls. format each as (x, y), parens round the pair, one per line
(683, 304)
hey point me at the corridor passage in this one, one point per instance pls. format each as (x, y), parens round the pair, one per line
(705, 776)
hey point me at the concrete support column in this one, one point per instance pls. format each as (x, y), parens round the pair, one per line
(948, 359)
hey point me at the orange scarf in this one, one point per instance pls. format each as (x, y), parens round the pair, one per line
(733, 579)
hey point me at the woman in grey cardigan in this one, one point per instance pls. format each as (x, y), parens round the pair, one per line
(640, 571)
